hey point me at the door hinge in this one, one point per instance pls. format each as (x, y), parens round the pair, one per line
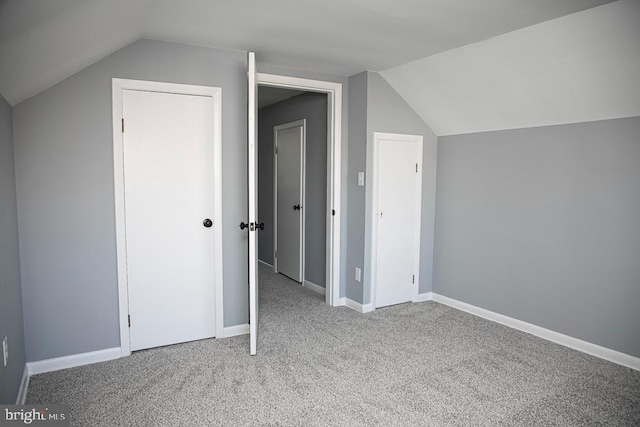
(416, 167)
(276, 149)
(276, 254)
(123, 125)
(333, 212)
(413, 278)
(129, 319)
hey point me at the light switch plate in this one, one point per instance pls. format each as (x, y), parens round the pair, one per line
(360, 179)
(358, 274)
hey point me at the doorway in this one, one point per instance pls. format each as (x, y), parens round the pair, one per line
(334, 141)
(292, 185)
(330, 203)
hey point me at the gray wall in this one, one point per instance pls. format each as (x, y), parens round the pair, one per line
(64, 168)
(356, 161)
(543, 225)
(313, 108)
(388, 112)
(10, 291)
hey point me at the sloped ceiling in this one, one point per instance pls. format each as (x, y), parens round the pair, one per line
(577, 68)
(44, 41)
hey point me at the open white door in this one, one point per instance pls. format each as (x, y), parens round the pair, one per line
(252, 152)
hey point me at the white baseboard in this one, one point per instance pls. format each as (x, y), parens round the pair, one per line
(366, 308)
(427, 296)
(565, 340)
(24, 385)
(313, 287)
(232, 331)
(266, 264)
(72, 361)
(360, 308)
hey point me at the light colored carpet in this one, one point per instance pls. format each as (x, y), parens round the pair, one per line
(412, 364)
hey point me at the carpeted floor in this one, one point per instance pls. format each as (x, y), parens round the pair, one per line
(412, 364)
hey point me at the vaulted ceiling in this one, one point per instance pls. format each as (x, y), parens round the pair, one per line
(435, 51)
(578, 68)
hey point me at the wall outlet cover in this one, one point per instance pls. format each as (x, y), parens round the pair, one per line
(358, 274)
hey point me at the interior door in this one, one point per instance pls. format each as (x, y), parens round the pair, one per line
(398, 225)
(168, 169)
(289, 165)
(252, 154)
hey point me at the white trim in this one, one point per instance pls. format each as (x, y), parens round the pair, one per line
(118, 86)
(303, 192)
(547, 334)
(24, 386)
(313, 287)
(427, 296)
(72, 361)
(334, 168)
(266, 264)
(372, 207)
(233, 331)
(275, 201)
(252, 193)
(360, 308)
(303, 207)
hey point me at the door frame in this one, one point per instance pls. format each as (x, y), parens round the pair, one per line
(215, 93)
(334, 168)
(373, 216)
(303, 182)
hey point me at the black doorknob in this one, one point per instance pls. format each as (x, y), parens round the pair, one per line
(260, 226)
(243, 225)
(207, 223)
(296, 207)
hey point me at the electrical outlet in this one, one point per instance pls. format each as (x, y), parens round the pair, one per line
(358, 274)
(5, 350)
(361, 179)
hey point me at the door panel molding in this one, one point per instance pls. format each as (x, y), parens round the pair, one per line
(215, 93)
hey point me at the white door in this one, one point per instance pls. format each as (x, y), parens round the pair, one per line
(252, 179)
(168, 176)
(397, 239)
(289, 165)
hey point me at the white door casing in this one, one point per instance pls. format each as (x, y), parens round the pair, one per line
(252, 180)
(167, 171)
(395, 248)
(334, 170)
(289, 194)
